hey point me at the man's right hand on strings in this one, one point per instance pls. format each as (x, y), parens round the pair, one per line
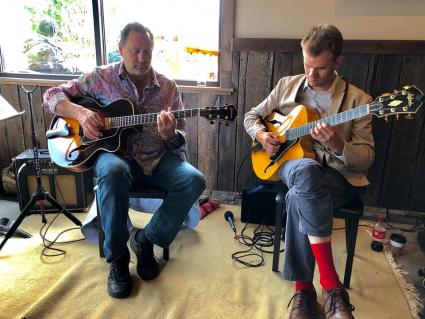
(91, 122)
(270, 141)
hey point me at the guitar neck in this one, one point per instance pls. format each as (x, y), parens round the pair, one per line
(138, 119)
(332, 120)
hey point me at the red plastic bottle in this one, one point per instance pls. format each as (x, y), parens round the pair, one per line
(378, 234)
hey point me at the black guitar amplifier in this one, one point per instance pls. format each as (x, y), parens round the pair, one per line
(74, 190)
(258, 206)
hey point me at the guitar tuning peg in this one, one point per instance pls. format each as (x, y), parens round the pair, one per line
(387, 119)
(409, 117)
(397, 116)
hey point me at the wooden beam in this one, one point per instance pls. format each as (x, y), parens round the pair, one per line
(182, 88)
(350, 46)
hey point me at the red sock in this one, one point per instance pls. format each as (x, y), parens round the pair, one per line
(306, 286)
(323, 254)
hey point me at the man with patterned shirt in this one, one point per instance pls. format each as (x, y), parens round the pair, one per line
(154, 154)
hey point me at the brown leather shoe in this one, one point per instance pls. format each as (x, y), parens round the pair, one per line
(304, 305)
(337, 304)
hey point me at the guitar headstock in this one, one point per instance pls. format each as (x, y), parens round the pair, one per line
(226, 113)
(406, 101)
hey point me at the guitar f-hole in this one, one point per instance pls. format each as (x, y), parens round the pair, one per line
(274, 122)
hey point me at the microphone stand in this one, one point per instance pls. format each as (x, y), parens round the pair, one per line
(40, 194)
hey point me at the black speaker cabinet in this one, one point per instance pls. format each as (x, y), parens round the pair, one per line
(258, 206)
(74, 190)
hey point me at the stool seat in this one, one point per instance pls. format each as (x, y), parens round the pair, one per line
(354, 207)
(148, 190)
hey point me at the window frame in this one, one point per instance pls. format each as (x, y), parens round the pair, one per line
(226, 31)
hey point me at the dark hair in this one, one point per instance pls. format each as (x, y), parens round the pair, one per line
(322, 37)
(136, 27)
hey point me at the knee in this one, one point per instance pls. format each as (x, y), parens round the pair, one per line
(310, 169)
(113, 172)
(310, 177)
(191, 182)
(197, 182)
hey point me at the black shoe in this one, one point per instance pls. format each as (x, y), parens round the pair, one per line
(119, 279)
(147, 266)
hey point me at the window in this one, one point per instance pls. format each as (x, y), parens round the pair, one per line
(186, 34)
(55, 38)
(47, 37)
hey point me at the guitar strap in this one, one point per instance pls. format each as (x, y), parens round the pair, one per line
(344, 97)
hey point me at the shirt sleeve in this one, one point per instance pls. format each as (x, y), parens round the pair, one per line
(76, 87)
(341, 157)
(177, 104)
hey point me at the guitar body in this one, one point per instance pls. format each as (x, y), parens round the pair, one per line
(266, 167)
(70, 149)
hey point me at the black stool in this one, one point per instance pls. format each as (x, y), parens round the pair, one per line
(350, 212)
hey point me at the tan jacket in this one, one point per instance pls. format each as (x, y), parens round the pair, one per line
(359, 146)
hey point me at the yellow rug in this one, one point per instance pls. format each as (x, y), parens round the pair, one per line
(199, 281)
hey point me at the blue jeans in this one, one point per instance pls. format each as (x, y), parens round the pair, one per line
(314, 192)
(115, 176)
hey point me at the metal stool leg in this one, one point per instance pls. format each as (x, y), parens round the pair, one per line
(166, 253)
(351, 227)
(100, 233)
(277, 230)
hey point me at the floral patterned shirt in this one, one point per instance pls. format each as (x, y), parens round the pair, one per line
(108, 83)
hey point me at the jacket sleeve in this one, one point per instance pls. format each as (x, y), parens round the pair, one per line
(360, 149)
(253, 118)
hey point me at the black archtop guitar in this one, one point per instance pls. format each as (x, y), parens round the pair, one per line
(69, 148)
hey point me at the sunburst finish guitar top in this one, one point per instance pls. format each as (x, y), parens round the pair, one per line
(69, 148)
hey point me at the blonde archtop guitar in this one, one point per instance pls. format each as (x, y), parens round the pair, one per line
(294, 129)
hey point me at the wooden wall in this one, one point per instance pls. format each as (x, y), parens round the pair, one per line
(222, 152)
(15, 134)
(397, 177)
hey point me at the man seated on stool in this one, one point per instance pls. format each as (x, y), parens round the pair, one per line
(317, 187)
(152, 155)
